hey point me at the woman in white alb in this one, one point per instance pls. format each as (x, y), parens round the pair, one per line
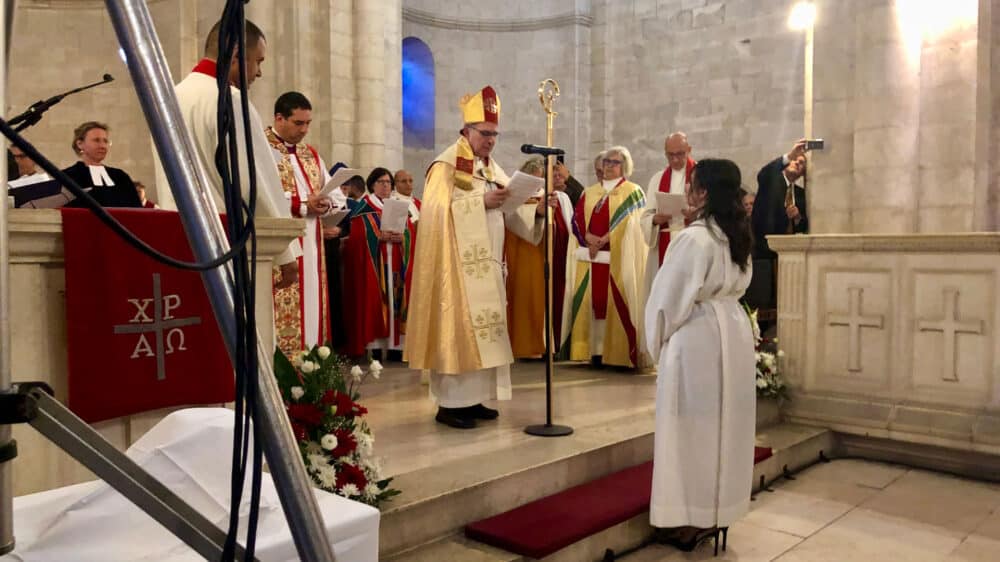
(702, 341)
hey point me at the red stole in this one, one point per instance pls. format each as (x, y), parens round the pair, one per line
(600, 273)
(664, 240)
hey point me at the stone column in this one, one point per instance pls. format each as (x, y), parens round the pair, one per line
(392, 90)
(831, 174)
(343, 97)
(369, 72)
(886, 121)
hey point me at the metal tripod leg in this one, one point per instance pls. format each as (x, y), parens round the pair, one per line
(53, 420)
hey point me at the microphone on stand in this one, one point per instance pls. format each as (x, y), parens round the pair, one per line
(543, 150)
(33, 114)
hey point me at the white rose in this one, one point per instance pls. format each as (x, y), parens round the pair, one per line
(781, 353)
(329, 441)
(376, 373)
(356, 373)
(297, 392)
(761, 383)
(307, 367)
(375, 366)
(323, 352)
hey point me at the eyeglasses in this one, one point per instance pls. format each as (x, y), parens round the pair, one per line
(487, 134)
(610, 162)
(676, 154)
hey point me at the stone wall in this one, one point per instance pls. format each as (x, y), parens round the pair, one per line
(729, 74)
(897, 95)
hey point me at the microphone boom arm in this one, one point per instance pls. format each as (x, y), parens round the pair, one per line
(33, 114)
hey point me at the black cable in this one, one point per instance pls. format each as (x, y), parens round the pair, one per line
(245, 359)
(110, 221)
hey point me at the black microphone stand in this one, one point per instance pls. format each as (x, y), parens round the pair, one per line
(547, 92)
(33, 114)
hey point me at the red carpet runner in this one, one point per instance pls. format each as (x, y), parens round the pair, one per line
(544, 526)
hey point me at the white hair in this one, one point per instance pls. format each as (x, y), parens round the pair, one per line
(627, 166)
(533, 164)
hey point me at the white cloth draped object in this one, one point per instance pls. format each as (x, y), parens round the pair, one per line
(93, 522)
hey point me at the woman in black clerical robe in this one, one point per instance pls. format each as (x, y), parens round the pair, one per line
(111, 187)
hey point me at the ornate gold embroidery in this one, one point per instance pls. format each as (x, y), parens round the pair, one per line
(477, 261)
(489, 325)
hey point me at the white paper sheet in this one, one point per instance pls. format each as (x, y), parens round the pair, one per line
(338, 179)
(521, 187)
(583, 254)
(671, 204)
(336, 217)
(394, 215)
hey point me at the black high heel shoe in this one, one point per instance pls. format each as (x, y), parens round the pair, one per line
(693, 541)
(725, 538)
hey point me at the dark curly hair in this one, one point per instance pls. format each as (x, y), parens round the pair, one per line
(721, 180)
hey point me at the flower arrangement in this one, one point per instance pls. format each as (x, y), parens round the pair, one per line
(335, 439)
(770, 383)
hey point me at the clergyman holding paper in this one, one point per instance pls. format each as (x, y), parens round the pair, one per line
(458, 327)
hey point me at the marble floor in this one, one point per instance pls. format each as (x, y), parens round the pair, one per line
(855, 510)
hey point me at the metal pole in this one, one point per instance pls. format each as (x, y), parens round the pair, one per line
(83, 443)
(189, 184)
(548, 91)
(6, 432)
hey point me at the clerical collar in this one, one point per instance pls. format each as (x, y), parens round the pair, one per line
(288, 145)
(99, 176)
(402, 197)
(206, 66)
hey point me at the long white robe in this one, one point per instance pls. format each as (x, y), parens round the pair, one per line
(649, 230)
(705, 395)
(198, 97)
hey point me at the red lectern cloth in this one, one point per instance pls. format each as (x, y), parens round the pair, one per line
(140, 335)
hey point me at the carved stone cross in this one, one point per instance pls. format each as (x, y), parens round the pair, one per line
(950, 327)
(854, 320)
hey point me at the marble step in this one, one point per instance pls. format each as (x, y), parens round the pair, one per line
(441, 500)
(794, 446)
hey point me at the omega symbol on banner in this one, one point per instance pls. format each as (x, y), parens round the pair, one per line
(164, 327)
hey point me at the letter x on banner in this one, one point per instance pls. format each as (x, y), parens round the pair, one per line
(140, 335)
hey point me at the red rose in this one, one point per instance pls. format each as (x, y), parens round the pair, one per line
(306, 414)
(345, 406)
(349, 474)
(299, 431)
(346, 444)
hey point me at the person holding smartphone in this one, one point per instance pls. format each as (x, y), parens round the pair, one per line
(779, 208)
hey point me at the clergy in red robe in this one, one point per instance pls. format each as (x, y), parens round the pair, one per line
(301, 314)
(676, 178)
(404, 192)
(376, 272)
